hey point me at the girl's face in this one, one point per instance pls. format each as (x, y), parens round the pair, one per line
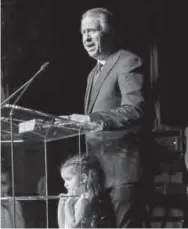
(72, 180)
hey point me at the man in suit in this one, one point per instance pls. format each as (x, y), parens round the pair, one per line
(115, 94)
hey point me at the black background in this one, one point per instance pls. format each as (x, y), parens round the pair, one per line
(36, 31)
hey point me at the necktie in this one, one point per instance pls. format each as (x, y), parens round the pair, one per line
(98, 69)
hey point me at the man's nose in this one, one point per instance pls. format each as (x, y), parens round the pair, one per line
(87, 37)
(66, 185)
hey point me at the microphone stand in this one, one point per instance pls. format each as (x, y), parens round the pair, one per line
(26, 85)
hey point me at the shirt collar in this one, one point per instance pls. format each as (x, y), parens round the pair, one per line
(102, 62)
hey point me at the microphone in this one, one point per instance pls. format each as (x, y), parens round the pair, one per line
(25, 85)
(44, 66)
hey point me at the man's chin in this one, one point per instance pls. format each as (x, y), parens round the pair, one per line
(93, 55)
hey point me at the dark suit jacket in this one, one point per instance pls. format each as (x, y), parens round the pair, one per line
(117, 98)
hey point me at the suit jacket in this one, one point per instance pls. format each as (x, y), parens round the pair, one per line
(117, 98)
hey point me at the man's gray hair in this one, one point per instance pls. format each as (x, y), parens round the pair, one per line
(107, 20)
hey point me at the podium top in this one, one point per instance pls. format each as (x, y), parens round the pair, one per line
(35, 125)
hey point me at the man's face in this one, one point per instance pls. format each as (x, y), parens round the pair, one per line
(96, 40)
(5, 184)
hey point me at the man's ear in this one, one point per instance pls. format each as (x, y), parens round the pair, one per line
(83, 178)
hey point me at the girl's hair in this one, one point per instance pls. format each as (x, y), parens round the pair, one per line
(90, 166)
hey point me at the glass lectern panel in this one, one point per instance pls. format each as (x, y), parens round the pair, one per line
(39, 126)
(32, 147)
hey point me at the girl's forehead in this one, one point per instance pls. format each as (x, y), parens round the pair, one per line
(70, 170)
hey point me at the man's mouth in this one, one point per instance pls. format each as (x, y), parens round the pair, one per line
(90, 46)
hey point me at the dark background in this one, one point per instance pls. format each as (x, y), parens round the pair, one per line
(36, 31)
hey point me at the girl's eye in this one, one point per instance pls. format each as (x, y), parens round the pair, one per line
(66, 179)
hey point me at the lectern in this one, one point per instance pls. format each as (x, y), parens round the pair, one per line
(23, 125)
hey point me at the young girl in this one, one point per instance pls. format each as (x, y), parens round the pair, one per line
(86, 204)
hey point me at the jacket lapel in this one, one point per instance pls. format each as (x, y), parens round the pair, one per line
(88, 88)
(103, 75)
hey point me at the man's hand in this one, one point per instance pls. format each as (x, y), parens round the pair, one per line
(73, 117)
(79, 118)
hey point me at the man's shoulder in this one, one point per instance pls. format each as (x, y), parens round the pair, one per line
(126, 54)
(128, 58)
